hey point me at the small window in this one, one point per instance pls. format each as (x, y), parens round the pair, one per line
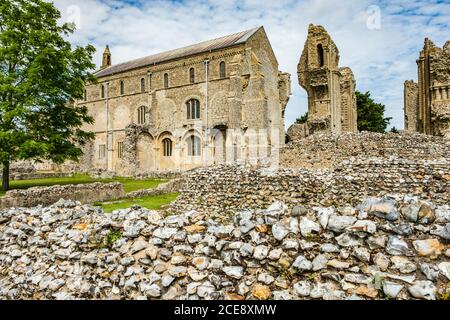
(194, 146)
(191, 75)
(85, 95)
(142, 85)
(103, 91)
(193, 109)
(320, 54)
(122, 88)
(120, 149)
(101, 151)
(167, 144)
(141, 114)
(222, 70)
(166, 80)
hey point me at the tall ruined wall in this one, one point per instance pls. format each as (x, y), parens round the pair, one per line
(411, 106)
(331, 97)
(348, 100)
(433, 92)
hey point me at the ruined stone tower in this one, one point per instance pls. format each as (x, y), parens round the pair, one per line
(331, 90)
(427, 103)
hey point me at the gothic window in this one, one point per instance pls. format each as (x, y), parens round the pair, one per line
(191, 75)
(122, 88)
(120, 149)
(103, 91)
(141, 114)
(194, 146)
(167, 144)
(193, 109)
(222, 70)
(320, 55)
(166, 80)
(142, 85)
(101, 151)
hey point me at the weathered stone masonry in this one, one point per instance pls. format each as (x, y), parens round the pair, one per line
(228, 188)
(331, 89)
(427, 102)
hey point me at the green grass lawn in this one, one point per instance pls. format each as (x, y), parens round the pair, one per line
(129, 184)
(149, 202)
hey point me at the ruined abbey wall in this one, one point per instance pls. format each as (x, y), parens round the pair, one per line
(331, 89)
(427, 102)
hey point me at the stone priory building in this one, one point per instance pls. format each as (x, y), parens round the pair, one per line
(217, 101)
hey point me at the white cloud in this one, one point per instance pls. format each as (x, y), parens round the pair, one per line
(381, 59)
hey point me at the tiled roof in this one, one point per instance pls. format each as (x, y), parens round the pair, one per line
(210, 45)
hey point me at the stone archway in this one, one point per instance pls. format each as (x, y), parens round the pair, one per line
(219, 147)
(144, 152)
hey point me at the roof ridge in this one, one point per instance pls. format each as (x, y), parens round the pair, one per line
(209, 45)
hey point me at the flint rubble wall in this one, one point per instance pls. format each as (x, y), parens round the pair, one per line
(85, 193)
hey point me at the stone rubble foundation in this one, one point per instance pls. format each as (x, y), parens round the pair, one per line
(392, 247)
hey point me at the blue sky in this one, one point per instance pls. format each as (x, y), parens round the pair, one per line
(379, 40)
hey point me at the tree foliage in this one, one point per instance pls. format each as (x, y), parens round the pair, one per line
(302, 119)
(40, 75)
(370, 114)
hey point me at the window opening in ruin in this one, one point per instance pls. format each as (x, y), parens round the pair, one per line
(122, 88)
(101, 151)
(222, 70)
(120, 149)
(320, 54)
(194, 146)
(191, 75)
(142, 85)
(167, 143)
(103, 91)
(141, 114)
(193, 109)
(166, 80)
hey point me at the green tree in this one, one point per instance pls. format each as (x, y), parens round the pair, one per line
(40, 75)
(394, 130)
(302, 119)
(370, 114)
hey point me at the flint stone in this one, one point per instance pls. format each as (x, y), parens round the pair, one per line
(302, 288)
(339, 223)
(385, 208)
(235, 272)
(308, 226)
(423, 290)
(398, 247)
(392, 289)
(302, 263)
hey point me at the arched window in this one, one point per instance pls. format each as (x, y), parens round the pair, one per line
(193, 109)
(166, 80)
(222, 70)
(191, 75)
(142, 85)
(167, 144)
(122, 88)
(194, 146)
(320, 55)
(141, 114)
(103, 91)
